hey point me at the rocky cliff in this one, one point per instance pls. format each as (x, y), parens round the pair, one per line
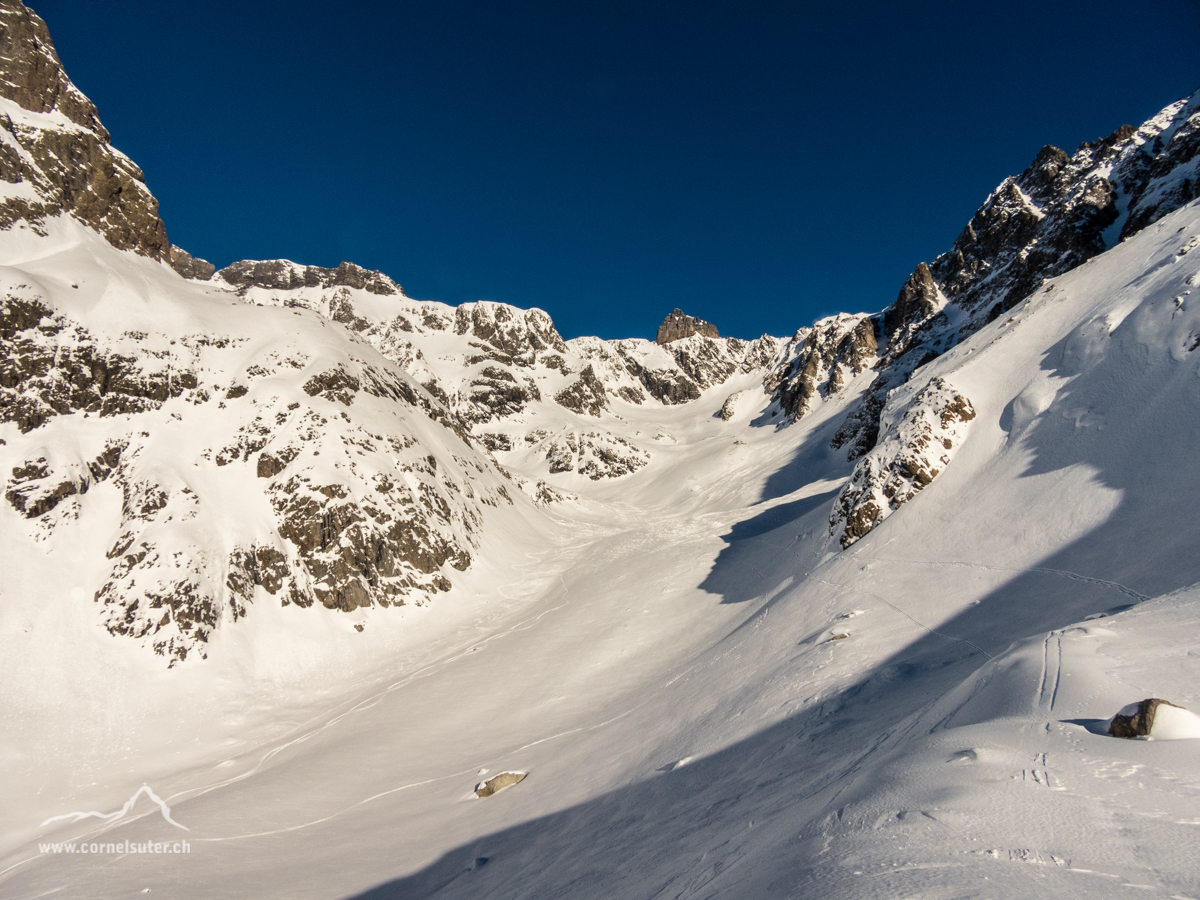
(680, 325)
(54, 153)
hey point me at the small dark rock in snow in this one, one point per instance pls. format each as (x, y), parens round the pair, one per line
(501, 781)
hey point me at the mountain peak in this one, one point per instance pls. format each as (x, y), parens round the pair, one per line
(680, 325)
(33, 75)
(57, 157)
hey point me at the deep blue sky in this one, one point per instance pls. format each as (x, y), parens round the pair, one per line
(757, 164)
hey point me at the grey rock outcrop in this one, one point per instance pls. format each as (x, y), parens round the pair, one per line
(190, 266)
(833, 349)
(284, 275)
(680, 325)
(911, 454)
(585, 395)
(51, 366)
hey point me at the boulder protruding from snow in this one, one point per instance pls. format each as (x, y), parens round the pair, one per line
(729, 407)
(1155, 718)
(499, 783)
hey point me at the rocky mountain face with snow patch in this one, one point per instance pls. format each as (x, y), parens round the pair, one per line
(249, 455)
(55, 156)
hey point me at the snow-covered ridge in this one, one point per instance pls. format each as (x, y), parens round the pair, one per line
(1060, 212)
(255, 450)
(506, 372)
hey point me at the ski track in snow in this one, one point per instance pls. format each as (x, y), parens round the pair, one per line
(1075, 576)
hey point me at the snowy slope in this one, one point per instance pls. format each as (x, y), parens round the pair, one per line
(685, 717)
(842, 615)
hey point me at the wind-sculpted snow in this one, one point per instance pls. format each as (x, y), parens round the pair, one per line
(911, 453)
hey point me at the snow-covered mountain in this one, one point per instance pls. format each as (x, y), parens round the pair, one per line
(842, 613)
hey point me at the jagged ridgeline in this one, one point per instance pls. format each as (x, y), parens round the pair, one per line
(276, 433)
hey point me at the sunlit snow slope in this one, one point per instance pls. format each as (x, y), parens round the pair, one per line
(688, 723)
(839, 615)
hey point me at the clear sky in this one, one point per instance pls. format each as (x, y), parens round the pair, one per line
(758, 164)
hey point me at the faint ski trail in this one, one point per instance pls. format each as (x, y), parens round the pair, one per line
(412, 784)
(1076, 576)
(423, 672)
(371, 701)
(948, 637)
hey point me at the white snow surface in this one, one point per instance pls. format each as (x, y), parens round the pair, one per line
(1174, 724)
(658, 655)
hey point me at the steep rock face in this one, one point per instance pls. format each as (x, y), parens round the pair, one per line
(509, 335)
(33, 76)
(1060, 212)
(680, 325)
(911, 454)
(824, 356)
(55, 156)
(190, 266)
(51, 366)
(920, 299)
(585, 396)
(496, 393)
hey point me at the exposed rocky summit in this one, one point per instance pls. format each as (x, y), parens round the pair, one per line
(680, 325)
(284, 275)
(53, 147)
